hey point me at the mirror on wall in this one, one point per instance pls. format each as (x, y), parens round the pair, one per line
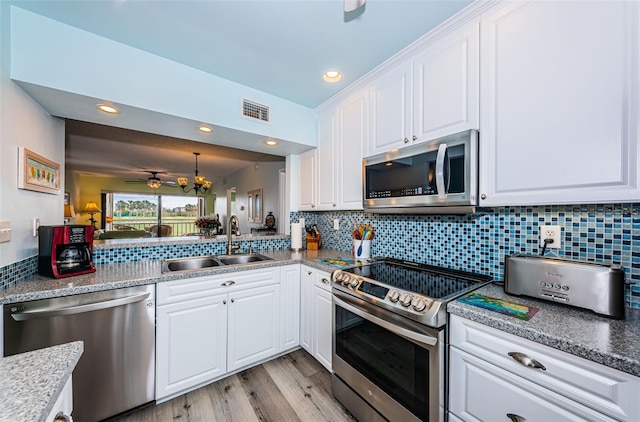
(254, 206)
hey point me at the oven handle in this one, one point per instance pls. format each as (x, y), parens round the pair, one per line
(396, 328)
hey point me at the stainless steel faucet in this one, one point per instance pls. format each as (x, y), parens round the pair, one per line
(230, 246)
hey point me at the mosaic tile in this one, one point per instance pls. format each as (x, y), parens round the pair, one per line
(479, 243)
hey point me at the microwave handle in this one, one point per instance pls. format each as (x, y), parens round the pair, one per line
(442, 170)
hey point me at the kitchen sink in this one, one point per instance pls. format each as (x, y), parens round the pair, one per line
(238, 259)
(204, 262)
(186, 264)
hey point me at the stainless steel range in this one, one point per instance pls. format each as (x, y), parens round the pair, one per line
(389, 337)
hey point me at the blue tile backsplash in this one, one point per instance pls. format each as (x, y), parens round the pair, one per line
(479, 243)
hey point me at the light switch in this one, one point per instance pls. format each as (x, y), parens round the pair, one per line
(336, 224)
(5, 231)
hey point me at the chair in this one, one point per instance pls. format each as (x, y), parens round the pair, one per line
(165, 230)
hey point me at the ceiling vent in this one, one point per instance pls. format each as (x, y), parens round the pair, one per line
(255, 111)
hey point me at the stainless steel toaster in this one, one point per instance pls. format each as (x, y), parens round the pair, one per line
(588, 285)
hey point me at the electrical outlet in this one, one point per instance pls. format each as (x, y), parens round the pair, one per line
(336, 224)
(36, 224)
(551, 232)
(5, 231)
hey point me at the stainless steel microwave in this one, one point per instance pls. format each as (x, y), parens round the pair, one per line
(433, 177)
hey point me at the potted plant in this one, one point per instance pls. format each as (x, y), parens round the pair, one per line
(208, 225)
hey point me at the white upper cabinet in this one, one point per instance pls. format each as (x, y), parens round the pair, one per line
(342, 130)
(446, 85)
(327, 154)
(307, 182)
(559, 121)
(390, 99)
(433, 94)
(353, 128)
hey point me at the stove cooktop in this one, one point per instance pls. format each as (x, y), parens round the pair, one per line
(414, 290)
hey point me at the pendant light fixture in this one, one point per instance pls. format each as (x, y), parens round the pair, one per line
(200, 184)
(154, 182)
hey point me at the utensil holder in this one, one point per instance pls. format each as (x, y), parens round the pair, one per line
(313, 242)
(361, 249)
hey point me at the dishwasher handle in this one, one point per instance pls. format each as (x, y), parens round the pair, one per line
(70, 310)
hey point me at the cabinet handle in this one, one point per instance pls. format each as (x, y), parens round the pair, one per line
(406, 140)
(309, 272)
(325, 281)
(525, 360)
(415, 137)
(516, 418)
(232, 300)
(228, 283)
(483, 196)
(61, 417)
(334, 205)
(224, 302)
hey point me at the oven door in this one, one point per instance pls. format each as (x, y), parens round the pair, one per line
(392, 363)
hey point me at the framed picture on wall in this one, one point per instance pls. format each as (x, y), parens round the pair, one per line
(37, 173)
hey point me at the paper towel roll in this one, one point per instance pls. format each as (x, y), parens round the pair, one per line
(296, 236)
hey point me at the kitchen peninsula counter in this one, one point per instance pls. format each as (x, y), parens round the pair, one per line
(115, 276)
(610, 342)
(31, 382)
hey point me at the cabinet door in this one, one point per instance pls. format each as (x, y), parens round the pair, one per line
(306, 301)
(559, 121)
(446, 85)
(254, 325)
(327, 154)
(191, 344)
(323, 326)
(290, 309)
(352, 135)
(479, 391)
(390, 105)
(307, 194)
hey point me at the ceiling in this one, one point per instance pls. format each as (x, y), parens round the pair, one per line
(129, 154)
(277, 46)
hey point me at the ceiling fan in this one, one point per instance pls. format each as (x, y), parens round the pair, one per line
(153, 181)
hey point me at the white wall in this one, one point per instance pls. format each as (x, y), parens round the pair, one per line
(250, 178)
(24, 123)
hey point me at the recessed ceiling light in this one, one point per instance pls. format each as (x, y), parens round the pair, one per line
(332, 76)
(271, 142)
(205, 129)
(107, 109)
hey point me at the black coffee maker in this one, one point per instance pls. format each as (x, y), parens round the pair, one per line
(65, 251)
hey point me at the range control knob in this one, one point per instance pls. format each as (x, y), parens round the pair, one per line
(394, 296)
(345, 279)
(354, 282)
(418, 304)
(405, 300)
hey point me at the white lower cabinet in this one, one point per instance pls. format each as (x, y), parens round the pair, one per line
(254, 326)
(64, 403)
(209, 326)
(487, 384)
(316, 314)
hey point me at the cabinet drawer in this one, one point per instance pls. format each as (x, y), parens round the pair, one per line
(607, 390)
(195, 288)
(323, 280)
(480, 391)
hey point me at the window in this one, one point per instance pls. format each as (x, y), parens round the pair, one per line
(157, 215)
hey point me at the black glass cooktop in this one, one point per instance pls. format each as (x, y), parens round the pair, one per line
(427, 280)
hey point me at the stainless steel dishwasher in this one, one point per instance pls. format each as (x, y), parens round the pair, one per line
(117, 369)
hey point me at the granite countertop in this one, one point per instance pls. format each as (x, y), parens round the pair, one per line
(114, 276)
(31, 382)
(613, 343)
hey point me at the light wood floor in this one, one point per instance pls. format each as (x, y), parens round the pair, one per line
(294, 387)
